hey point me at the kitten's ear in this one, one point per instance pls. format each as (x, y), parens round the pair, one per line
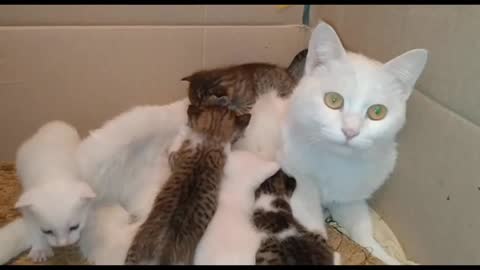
(193, 111)
(324, 46)
(242, 121)
(25, 200)
(290, 185)
(86, 191)
(407, 68)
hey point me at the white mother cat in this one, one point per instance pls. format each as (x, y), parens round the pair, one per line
(339, 135)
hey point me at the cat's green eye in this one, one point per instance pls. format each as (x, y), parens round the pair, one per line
(333, 100)
(377, 112)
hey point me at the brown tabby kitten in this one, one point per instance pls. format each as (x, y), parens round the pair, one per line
(287, 242)
(184, 207)
(242, 84)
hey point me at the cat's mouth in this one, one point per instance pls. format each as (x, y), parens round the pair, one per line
(342, 142)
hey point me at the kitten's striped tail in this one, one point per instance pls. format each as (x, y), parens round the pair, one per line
(174, 253)
(13, 240)
(297, 65)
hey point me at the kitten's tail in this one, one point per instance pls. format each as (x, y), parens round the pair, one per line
(175, 253)
(297, 65)
(13, 240)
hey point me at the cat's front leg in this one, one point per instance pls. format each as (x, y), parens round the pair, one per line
(306, 205)
(355, 219)
(40, 250)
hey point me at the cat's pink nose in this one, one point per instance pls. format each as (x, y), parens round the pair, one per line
(350, 133)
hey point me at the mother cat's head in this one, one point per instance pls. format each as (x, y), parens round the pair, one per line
(350, 100)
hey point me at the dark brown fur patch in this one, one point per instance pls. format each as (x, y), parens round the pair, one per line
(279, 184)
(217, 122)
(186, 204)
(301, 248)
(242, 84)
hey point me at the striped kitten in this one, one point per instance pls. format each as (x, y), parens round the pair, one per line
(187, 202)
(286, 241)
(243, 84)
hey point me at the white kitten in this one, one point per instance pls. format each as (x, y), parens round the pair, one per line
(54, 202)
(341, 153)
(231, 238)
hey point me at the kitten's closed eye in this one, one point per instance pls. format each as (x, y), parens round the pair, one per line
(73, 228)
(49, 232)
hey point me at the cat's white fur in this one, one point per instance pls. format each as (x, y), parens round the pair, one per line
(346, 173)
(108, 234)
(231, 238)
(262, 133)
(125, 160)
(54, 198)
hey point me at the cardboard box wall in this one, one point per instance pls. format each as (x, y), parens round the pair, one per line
(86, 64)
(431, 202)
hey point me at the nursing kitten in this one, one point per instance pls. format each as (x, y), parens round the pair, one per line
(261, 89)
(286, 241)
(54, 202)
(339, 136)
(231, 238)
(242, 84)
(187, 202)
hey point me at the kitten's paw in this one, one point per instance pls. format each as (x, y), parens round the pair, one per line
(40, 255)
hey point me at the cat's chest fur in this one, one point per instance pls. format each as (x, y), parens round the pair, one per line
(338, 177)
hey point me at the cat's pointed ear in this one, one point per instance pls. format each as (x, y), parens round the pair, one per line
(242, 121)
(407, 68)
(193, 111)
(324, 47)
(290, 185)
(86, 192)
(25, 200)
